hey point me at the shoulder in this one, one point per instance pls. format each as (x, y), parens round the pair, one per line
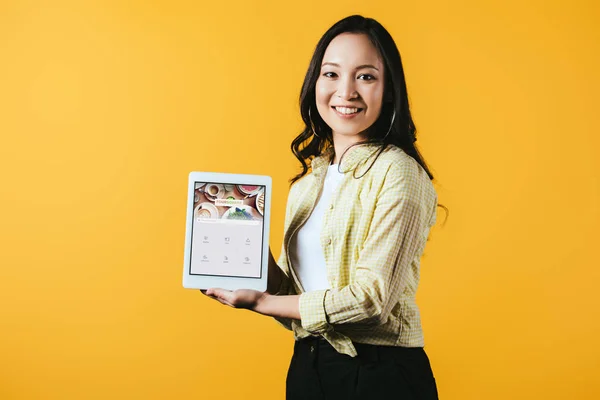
(394, 162)
(401, 173)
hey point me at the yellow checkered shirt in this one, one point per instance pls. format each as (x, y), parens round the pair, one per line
(373, 235)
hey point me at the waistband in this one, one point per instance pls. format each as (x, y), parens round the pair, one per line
(318, 344)
(366, 352)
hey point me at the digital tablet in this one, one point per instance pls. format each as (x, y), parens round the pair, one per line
(227, 231)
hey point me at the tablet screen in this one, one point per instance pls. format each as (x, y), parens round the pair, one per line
(227, 230)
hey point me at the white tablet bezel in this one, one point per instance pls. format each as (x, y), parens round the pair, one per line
(226, 282)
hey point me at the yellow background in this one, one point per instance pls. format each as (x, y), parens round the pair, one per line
(105, 107)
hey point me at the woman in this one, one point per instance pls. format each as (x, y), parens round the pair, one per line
(355, 228)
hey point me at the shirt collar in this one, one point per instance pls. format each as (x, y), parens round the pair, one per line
(351, 159)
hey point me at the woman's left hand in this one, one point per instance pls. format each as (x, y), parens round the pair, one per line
(240, 298)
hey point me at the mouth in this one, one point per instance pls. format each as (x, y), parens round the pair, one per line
(347, 112)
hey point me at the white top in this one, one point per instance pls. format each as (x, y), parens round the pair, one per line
(306, 253)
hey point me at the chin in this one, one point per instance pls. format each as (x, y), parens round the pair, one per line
(347, 131)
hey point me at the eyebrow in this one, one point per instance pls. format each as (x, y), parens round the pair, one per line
(359, 67)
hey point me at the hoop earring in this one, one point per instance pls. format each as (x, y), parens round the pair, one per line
(312, 125)
(391, 124)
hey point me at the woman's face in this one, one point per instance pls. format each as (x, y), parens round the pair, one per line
(349, 91)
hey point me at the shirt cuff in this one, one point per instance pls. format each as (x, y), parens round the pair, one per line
(312, 312)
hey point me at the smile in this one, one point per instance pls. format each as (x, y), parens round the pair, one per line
(347, 112)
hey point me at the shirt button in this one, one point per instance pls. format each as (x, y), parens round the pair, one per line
(329, 241)
(331, 206)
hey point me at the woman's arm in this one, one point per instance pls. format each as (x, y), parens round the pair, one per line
(260, 302)
(279, 306)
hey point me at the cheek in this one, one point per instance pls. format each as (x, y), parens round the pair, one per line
(323, 97)
(322, 92)
(376, 99)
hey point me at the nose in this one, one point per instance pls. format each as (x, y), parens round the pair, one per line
(346, 88)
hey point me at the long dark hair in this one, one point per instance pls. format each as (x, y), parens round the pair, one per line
(402, 132)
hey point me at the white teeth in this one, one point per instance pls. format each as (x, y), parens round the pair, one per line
(346, 110)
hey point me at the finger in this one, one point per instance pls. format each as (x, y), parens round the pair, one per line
(210, 293)
(224, 295)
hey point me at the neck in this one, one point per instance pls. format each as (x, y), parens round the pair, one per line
(341, 143)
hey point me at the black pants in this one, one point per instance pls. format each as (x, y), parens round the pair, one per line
(318, 372)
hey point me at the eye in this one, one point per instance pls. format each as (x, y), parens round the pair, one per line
(329, 74)
(367, 77)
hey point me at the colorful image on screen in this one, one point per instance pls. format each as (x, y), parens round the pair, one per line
(227, 230)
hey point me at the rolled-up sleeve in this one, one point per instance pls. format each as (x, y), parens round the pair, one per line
(398, 228)
(312, 311)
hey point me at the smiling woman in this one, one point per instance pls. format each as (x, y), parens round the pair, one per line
(349, 91)
(346, 280)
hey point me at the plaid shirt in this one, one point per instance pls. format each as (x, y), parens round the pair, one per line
(373, 235)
